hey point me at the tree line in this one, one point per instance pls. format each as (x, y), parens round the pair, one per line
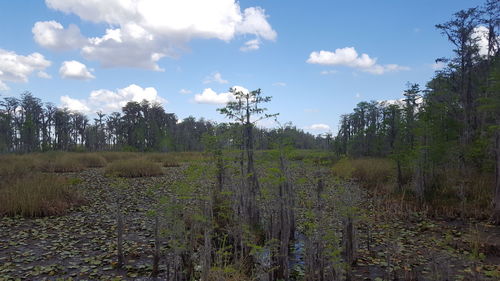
(29, 125)
(448, 131)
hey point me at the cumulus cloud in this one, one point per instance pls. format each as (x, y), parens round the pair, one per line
(319, 127)
(349, 57)
(215, 77)
(75, 70)
(108, 101)
(209, 96)
(74, 104)
(17, 68)
(143, 31)
(185, 91)
(52, 35)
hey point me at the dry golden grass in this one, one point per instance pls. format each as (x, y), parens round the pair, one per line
(369, 172)
(37, 195)
(14, 166)
(111, 156)
(61, 163)
(132, 168)
(91, 160)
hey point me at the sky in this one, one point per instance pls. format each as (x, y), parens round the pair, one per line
(317, 59)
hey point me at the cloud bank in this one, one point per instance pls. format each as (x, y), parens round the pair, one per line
(109, 101)
(141, 32)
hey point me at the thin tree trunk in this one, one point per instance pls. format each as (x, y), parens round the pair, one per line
(400, 176)
(496, 212)
(121, 258)
(156, 254)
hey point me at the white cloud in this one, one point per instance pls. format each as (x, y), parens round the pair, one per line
(185, 91)
(17, 68)
(141, 32)
(349, 57)
(75, 70)
(438, 65)
(215, 77)
(251, 45)
(43, 74)
(319, 127)
(108, 101)
(52, 35)
(209, 96)
(481, 33)
(279, 84)
(74, 104)
(255, 22)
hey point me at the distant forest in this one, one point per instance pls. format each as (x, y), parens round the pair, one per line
(29, 125)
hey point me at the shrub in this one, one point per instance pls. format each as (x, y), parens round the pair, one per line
(37, 194)
(134, 168)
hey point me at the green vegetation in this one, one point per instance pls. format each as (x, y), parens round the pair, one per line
(403, 192)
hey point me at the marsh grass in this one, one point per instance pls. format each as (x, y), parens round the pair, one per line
(91, 160)
(15, 166)
(112, 156)
(61, 163)
(371, 173)
(37, 194)
(133, 168)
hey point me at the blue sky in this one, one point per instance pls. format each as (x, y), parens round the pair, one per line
(187, 54)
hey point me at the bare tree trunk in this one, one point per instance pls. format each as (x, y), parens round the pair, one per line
(121, 257)
(400, 176)
(349, 246)
(156, 254)
(496, 212)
